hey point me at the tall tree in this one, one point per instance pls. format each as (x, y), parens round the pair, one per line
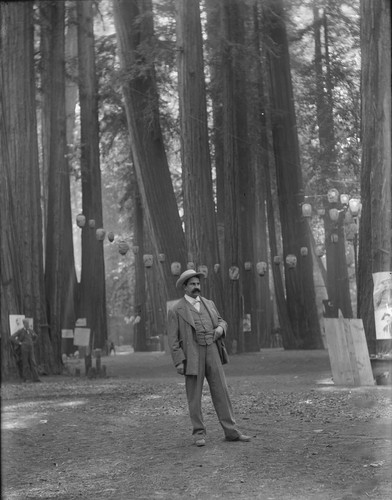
(231, 180)
(92, 285)
(199, 209)
(299, 279)
(375, 243)
(337, 273)
(22, 277)
(60, 276)
(134, 29)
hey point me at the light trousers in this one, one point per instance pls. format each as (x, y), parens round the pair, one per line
(210, 367)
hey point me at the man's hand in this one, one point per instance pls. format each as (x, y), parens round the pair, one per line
(218, 333)
(180, 368)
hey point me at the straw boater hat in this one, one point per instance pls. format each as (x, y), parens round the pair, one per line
(186, 275)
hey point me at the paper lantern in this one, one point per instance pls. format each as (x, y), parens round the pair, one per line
(334, 214)
(175, 268)
(321, 212)
(291, 260)
(216, 268)
(100, 234)
(111, 237)
(135, 249)
(304, 251)
(334, 238)
(261, 268)
(123, 247)
(333, 195)
(91, 223)
(161, 257)
(234, 273)
(306, 210)
(247, 266)
(148, 260)
(203, 269)
(354, 205)
(344, 199)
(277, 259)
(190, 265)
(81, 220)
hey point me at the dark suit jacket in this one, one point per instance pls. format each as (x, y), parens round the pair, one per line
(182, 334)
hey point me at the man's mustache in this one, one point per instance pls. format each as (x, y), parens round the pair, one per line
(196, 289)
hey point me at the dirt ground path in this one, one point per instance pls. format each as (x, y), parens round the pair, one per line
(127, 436)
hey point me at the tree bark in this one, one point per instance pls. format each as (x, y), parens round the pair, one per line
(92, 285)
(134, 29)
(199, 208)
(22, 277)
(299, 279)
(375, 240)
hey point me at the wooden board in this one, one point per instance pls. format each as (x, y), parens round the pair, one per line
(348, 352)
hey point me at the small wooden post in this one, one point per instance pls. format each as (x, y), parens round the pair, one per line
(98, 353)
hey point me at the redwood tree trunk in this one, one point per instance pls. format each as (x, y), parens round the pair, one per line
(375, 240)
(22, 278)
(92, 285)
(299, 280)
(199, 209)
(60, 276)
(134, 28)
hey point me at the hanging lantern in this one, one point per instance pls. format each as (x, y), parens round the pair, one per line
(334, 214)
(344, 199)
(321, 212)
(320, 250)
(354, 205)
(203, 269)
(161, 257)
(100, 234)
(175, 268)
(91, 223)
(304, 251)
(261, 268)
(247, 266)
(135, 249)
(80, 220)
(277, 260)
(111, 237)
(334, 238)
(190, 265)
(291, 261)
(234, 273)
(123, 247)
(216, 268)
(148, 260)
(306, 210)
(333, 195)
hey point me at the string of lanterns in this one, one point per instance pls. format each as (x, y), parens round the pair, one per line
(175, 267)
(353, 205)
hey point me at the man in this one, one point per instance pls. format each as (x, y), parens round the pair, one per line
(25, 338)
(194, 326)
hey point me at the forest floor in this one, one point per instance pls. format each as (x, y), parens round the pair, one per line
(128, 436)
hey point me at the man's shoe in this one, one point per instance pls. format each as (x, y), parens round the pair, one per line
(200, 441)
(240, 437)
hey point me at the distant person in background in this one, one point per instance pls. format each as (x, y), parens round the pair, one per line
(24, 339)
(112, 348)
